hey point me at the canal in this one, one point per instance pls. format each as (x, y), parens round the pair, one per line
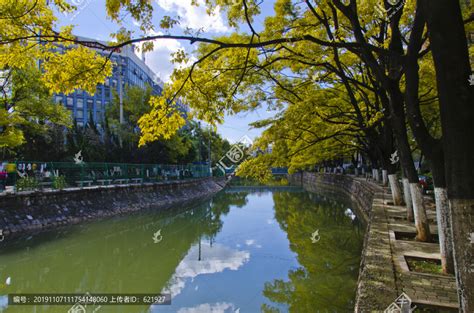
(247, 249)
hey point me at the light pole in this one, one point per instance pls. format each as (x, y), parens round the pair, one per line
(210, 160)
(200, 142)
(120, 90)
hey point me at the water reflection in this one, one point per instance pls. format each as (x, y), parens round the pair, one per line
(219, 307)
(241, 251)
(205, 259)
(326, 279)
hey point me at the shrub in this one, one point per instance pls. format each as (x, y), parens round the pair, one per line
(27, 183)
(59, 182)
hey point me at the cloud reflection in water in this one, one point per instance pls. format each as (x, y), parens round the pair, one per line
(214, 259)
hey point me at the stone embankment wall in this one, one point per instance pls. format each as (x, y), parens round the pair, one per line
(376, 287)
(40, 210)
(359, 192)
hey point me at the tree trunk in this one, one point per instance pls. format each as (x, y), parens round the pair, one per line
(395, 188)
(408, 201)
(444, 229)
(463, 241)
(430, 146)
(419, 210)
(376, 175)
(421, 220)
(451, 58)
(384, 177)
(406, 160)
(443, 216)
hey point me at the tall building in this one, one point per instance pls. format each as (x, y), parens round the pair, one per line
(133, 71)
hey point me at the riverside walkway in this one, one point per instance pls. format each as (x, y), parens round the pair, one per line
(387, 236)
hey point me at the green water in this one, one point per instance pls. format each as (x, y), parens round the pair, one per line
(245, 250)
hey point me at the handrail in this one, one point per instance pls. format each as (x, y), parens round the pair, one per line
(34, 175)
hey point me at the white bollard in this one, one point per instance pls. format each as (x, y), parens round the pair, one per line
(384, 177)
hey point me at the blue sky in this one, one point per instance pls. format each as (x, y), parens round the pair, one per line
(90, 21)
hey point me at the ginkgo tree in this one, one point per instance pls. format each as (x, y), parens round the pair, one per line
(29, 39)
(247, 69)
(28, 108)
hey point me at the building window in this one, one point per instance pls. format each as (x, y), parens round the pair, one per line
(80, 114)
(107, 82)
(114, 83)
(79, 103)
(98, 105)
(80, 124)
(70, 101)
(59, 99)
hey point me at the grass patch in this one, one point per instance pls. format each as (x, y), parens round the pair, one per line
(428, 266)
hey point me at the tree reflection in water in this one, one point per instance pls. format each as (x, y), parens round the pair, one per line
(327, 279)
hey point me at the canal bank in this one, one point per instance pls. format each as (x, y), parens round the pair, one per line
(34, 211)
(384, 271)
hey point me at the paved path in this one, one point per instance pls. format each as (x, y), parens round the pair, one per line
(422, 288)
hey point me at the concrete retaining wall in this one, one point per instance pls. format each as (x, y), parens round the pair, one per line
(376, 287)
(359, 192)
(33, 211)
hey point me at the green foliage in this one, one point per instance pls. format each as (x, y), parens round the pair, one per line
(27, 183)
(22, 22)
(60, 69)
(21, 51)
(273, 181)
(114, 142)
(59, 182)
(305, 62)
(31, 109)
(258, 168)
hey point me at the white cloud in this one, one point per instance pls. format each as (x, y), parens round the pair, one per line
(249, 242)
(135, 23)
(195, 17)
(159, 60)
(214, 259)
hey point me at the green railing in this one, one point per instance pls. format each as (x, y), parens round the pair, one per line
(31, 175)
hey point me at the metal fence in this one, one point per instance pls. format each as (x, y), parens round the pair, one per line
(30, 175)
